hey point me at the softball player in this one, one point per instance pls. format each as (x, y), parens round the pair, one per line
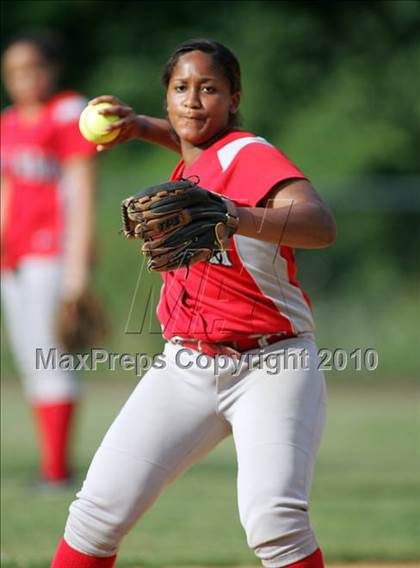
(43, 153)
(249, 304)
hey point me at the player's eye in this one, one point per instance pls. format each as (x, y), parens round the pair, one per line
(209, 89)
(179, 88)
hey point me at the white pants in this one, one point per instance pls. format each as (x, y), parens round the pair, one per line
(176, 416)
(30, 297)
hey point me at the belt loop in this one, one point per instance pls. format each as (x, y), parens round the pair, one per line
(262, 341)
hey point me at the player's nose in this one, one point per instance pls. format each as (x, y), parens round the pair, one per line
(192, 98)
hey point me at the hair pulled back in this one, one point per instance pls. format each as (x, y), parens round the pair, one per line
(223, 59)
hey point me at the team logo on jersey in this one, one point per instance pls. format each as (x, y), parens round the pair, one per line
(34, 165)
(69, 109)
(221, 258)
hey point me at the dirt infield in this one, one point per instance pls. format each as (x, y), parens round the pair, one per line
(376, 565)
(348, 565)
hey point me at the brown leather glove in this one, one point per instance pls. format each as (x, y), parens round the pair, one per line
(180, 222)
(81, 323)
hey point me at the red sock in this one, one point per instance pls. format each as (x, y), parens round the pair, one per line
(67, 557)
(54, 425)
(315, 560)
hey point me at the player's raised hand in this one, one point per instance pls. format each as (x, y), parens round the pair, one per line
(130, 123)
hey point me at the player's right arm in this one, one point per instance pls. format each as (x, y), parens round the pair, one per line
(136, 127)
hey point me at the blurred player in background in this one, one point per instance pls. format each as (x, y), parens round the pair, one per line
(47, 192)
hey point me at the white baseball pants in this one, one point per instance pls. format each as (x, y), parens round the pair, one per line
(176, 416)
(30, 297)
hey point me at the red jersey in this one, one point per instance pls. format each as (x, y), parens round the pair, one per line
(32, 156)
(254, 291)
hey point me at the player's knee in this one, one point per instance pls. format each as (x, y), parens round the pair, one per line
(93, 528)
(46, 385)
(279, 530)
(118, 490)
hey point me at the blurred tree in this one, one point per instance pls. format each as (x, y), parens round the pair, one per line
(334, 84)
(331, 82)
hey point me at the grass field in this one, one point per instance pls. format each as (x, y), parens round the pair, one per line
(364, 502)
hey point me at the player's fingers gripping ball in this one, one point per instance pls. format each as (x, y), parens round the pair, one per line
(93, 125)
(180, 223)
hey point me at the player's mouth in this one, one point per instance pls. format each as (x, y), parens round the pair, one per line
(193, 117)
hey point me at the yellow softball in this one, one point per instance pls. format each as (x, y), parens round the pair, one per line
(93, 125)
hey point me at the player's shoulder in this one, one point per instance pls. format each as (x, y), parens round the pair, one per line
(8, 114)
(242, 145)
(65, 107)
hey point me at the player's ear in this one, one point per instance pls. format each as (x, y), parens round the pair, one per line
(235, 102)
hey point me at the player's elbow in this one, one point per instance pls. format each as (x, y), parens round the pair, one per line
(322, 229)
(328, 229)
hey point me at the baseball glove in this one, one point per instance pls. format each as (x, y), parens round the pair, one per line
(81, 323)
(180, 223)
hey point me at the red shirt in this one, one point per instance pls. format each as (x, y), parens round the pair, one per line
(255, 291)
(32, 158)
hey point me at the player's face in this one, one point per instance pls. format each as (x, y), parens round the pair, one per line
(199, 99)
(27, 77)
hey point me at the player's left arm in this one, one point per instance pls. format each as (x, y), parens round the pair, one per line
(293, 214)
(5, 198)
(79, 177)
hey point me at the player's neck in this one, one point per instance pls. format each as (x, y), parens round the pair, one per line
(190, 153)
(29, 112)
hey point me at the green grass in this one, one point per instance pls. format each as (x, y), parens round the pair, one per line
(364, 502)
